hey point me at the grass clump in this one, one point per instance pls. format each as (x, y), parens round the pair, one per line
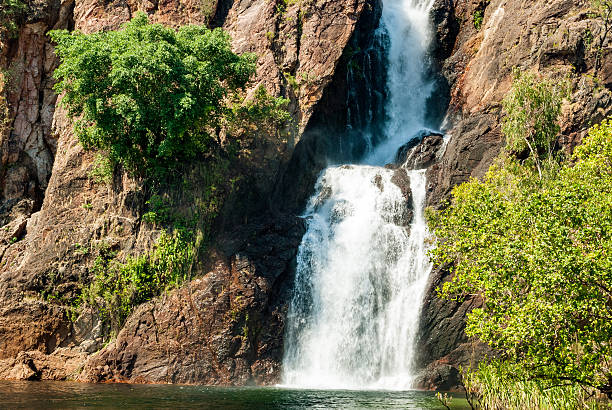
(500, 385)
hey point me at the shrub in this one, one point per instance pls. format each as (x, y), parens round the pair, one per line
(539, 253)
(11, 14)
(150, 96)
(261, 115)
(103, 170)
(117, 287)
(532, 110)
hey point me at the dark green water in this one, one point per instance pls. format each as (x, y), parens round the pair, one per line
(68, 395)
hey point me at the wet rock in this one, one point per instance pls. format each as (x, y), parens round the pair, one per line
(402, 180)
(472, 146)
(340, 211)
(443, 345)
(446, 26)
(378, 182)
(421, 151)
(402, 217)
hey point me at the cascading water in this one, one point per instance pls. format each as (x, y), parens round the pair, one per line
(408, 27)
(361, 266)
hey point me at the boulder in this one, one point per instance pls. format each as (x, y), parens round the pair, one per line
(421, 151)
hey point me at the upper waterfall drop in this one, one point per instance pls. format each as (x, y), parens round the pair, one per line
(362, 264)
(408, 27)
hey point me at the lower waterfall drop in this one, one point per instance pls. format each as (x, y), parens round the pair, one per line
(359, 284)
(362, 265)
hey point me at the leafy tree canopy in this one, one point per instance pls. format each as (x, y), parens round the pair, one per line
(539, 252)
(148, 95)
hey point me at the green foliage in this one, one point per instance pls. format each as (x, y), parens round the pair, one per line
(207, 8)
(119, 287)
(292, 82)
(11, 14)
(538, 250)
(533, 107)
(150, 96)
(159, 210)
(261, 112)
(282, 5)
(479, 12)
(478, 18)
(262, 115)
(588, 39)
(270, 36)
(81, 249)
(499, 385)
(103, 170)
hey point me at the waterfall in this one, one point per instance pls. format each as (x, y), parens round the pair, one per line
(408, 27)
(362, 264)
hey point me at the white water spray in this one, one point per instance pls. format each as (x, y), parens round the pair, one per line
(362, 266)
(408, 26)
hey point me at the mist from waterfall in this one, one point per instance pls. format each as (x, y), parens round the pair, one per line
(362, 264)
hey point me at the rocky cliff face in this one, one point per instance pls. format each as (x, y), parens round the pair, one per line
(226, 327)
(549, 38)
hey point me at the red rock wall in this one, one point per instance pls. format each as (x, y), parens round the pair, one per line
(195, 334)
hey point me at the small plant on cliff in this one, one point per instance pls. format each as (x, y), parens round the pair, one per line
(150, 96)
(263, 115)
(539, 253)
(103, 170)
(532, 110)
(208, 8)
(478, 18)
(479, 13)
(117, 288)
(11, 14)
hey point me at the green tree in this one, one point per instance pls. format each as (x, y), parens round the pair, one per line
(533, 107)
(539, 253)
(150, 96)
